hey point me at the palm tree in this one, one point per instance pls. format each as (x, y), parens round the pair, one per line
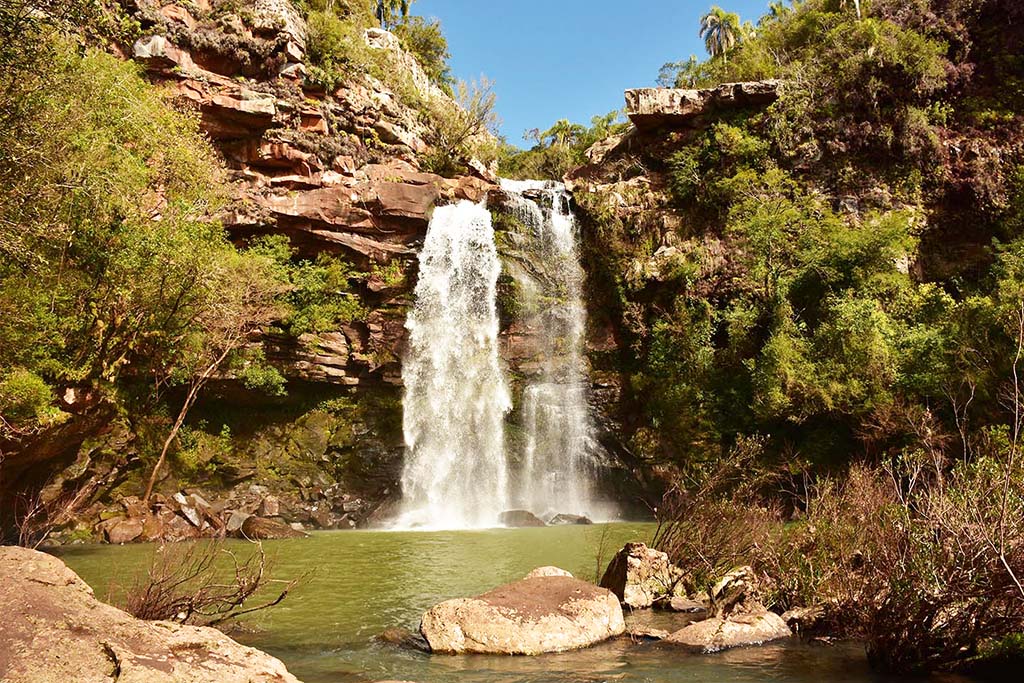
(388, 12)
(856, 6)
(720, 30)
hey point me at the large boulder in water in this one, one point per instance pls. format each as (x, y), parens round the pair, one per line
(712, 635)
(639, 575)
(564, 518)
(519, 518)
(527, 617)
(52, 630)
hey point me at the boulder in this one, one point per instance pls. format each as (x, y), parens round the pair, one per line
(519, 518)
(260, 529)
(678, 603)
(563, 518)
(122, 529)
(53, 630)
(527, 617)
(547, 571)
(639, 575)
(712, 635)
(736, 590)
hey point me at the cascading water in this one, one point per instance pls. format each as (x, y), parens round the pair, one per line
(457, 469)
(557, 461)
(456, 395)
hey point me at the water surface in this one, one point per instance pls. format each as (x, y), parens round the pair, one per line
(367, 581)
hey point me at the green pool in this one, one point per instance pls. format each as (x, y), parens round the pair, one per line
(364, 582)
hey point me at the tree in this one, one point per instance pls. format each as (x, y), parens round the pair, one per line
(721, 31)
(390, 12)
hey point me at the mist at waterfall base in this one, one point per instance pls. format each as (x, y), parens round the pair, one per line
(460, 470)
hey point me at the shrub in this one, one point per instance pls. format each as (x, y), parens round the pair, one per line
(26, 401)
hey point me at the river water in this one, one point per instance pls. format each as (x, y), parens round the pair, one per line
(364, 582)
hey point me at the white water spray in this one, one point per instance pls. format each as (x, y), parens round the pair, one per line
(557, 461)
(456, 396)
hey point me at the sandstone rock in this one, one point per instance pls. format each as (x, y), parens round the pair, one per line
(158, 52)
(122, 529)
(519, 518)
(678, 603)
(528, 617)
(731, 592)
(270, 507)
(258, 528)
(712, 635)
(547, 571)
(804, 619)
(639, 575)
(52, 630)
(563, 518)
(235, 521)
(654, 107)
(641, 632)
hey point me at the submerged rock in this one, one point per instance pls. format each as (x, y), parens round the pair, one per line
(259, 529)
(563, 518)
(527, 617)
(52, 630)
(639, 575)
(519, 518)
(712, 635)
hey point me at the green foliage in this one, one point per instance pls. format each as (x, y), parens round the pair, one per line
(424, 39)
(319, 294)
(559, 149)
(26, 401)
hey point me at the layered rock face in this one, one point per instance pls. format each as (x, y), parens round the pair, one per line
(52, 629)
(337, 172)
(651, 108)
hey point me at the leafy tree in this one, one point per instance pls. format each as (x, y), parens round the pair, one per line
(425, 40)
(721, 31)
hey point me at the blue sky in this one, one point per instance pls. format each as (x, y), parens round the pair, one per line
(552, 59)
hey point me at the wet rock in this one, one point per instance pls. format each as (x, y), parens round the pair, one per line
(712, 635)
(641, 632)
(685, 605)
(53, 630)
(527, 617)
(403, 637)
(519, 518)
(804, 619)
(563, 518)
(547, 571)
(259, 529)
(639, 575)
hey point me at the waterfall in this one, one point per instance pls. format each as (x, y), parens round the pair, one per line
(456, 395)
(557, 459)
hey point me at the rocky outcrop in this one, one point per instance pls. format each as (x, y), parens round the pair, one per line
(639, 576)
(52, 629)
(650, 108)
(712, 635)
(519, 518)
(527, 617)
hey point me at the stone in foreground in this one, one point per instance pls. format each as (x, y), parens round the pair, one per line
(527, 617)
(639, 575)
(52, 630)
(713, 635)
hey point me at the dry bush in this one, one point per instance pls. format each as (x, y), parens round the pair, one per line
(722, 522)
(188, 583)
